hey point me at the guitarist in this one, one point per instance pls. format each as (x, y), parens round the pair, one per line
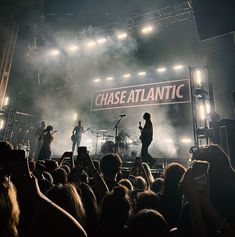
(146, 138)
(77, 135)
(47, 137)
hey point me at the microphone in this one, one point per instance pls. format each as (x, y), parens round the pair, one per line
(122, 115)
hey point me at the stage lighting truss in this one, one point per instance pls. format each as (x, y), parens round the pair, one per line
(165, 16)
(162, 17)
(203, 109)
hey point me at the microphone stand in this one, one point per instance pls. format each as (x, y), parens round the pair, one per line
(115, 127)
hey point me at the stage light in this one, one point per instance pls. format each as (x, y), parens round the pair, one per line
(198, 76)
(147, 29)
(208, 107)
(161, 69)
(97, 80)
(54, 52)
(2, 123)
(6, 101)
(178, 67)
(127, 75)
(202, 112)
(141, 73)
(122, 35)
(129, 141)
(101, 40)
(186, 140)
(73, 48)
(168, 140)
(109, 78)
(91, 44)
(75, 117)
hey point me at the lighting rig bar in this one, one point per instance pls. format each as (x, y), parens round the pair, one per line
(167, 15)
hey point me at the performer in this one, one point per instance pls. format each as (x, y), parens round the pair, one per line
(77, 135)
(146, 138)
(47, 138)
(39, 141)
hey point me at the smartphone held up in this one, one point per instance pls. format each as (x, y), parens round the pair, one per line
(82, 155)
(199, 174)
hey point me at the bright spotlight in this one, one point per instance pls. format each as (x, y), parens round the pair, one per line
(198, 75)
(186, 140)
(109, 78)
(127, 75)
(141, 73)
(178, 67)
(75, 116)
(91, 44)
(208, 107)
(54, 52)
(147, 29)
(161, 69)
(101, 40)
(2, 123)
(122, 36)
(6, 101)
(202, 112)
(73, 48)
(168, 140)
(97, 80)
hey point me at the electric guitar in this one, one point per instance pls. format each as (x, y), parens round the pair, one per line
(43, 134)
(75, 136)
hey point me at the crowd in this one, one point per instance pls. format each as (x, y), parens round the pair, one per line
(85, 197)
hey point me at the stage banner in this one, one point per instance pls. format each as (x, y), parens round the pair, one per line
(169, 92)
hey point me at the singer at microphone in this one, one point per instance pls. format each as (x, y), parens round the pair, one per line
(122, 115)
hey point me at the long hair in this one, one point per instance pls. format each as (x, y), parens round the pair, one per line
(67, 197)
(9, 209)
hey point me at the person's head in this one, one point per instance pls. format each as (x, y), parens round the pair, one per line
(115, 208)
(50, 165)
(110, 165)
(43, 124)
(148, 222)
(49, 128)
(66, 168)
(146, 116)
(9, 208)
(79, 122)
(157, 185)
(126, 183)
(172, 175)
(140, 183)
(147, 199)
(59, 176)
(67, 197)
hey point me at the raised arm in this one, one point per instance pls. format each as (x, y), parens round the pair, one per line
(63, 222)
